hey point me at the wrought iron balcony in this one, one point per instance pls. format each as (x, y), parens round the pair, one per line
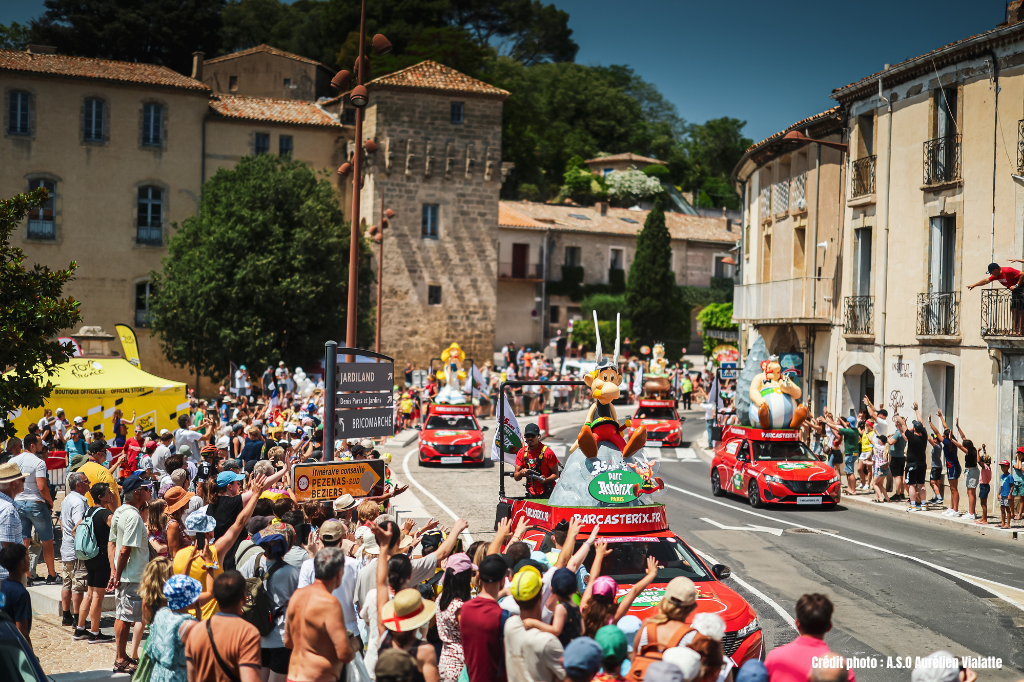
(942, 160)
(41, 229)
(864, 176)
(801, 298)
(858, 312)
(529, 271)
(999, 317)
(1020, 147)
(938, 314)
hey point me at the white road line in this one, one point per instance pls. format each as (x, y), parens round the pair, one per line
(442, 505)
(753, 590)
(975, 580)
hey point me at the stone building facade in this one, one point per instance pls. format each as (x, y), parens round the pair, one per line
(265, 71)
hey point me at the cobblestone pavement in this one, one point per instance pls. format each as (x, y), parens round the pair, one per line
(58, 653)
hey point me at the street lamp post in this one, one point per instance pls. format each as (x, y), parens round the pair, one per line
(357, 98)
(378, 236)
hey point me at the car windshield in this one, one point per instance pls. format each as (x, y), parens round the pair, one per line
(655, 413)
(782, 452)
(626, 562)
(456, 421)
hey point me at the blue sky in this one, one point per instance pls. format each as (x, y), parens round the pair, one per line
(763, 62)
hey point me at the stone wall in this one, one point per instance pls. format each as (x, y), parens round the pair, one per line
(262, 74)
(425, 159)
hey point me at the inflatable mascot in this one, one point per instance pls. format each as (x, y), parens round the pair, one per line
(451, 376)
(656, 380)
(774, 398)
(602, 423)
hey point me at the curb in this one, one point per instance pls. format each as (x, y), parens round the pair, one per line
(897, 510)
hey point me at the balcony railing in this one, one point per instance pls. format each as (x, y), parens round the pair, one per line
(942, 160)
(858, 311)
(148, 233)
(790, 299)
(864, 176)
(1020, 147)
(765, 202)
(522, 271)
(999, 315)
(938, 314)
(780, 196)
(41, 229)
(798, 192)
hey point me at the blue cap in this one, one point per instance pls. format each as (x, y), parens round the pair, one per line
(226, 478)
(852, 421)
(582, 658)
(752, 671)
(563, 582)
(132, 483)
(541, 558)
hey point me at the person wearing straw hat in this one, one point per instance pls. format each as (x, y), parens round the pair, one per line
(12, 481)
(177, 498)
(398, 619)
(170, 629)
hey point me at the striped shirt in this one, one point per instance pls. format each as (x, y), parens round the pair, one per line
(10, 526)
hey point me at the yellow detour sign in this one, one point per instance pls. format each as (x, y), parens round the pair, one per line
(331, 480)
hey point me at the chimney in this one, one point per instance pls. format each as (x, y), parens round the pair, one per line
(1015, 12)
(604, 207)
(197, 65)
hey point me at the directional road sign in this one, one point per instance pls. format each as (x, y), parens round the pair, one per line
(369, 423)
(366, 376)
(350, 400)
(331, 480)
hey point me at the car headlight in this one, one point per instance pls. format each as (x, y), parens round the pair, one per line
(833, 479)
(748, 630)
(476, 444)
(773, 479)
(426, 442)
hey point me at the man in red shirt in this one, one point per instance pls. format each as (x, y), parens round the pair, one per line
(481, 623)
(793, 662)
(538, 459)
(1011, 278)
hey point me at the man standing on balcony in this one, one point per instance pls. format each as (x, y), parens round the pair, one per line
(1011, 278)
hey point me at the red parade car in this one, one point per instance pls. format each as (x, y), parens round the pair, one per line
(635, 533)
(772, 467)
(451, 435)
(664, 425)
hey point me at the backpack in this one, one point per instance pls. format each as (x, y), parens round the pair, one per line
(257, 608)
(652, 651)
(86, 546)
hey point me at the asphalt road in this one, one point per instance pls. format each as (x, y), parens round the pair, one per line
(902, 588)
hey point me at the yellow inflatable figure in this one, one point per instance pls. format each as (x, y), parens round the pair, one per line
(451, 376)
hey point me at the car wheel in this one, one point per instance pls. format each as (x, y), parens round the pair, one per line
(716, 484)
(754, 495)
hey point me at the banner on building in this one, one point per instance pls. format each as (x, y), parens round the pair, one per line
(129, 344)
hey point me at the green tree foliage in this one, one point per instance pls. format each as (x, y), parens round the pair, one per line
(581, 184)
(32, 313)
(13, 36)
(606, 305)
(713, 149)
(164, 32)
(715, 316)
(652, 301)
(583, 332)
(261, 274)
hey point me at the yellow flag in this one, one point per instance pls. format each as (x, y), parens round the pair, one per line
(129, 344)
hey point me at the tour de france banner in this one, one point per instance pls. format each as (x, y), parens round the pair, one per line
(513, 436)
(129, 344)
(94, 388)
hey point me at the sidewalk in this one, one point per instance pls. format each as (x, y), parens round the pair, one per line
(932, 514)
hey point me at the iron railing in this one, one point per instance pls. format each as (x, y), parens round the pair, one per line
(798, 192)
(788, 299)
(1020, 147)
(864, 176)
(1000, 314)
(41, 229)
(765, 202)
(938, 314)
(858, 312)
(524, 271)
(149, 233)
(942, 160)
(780, 196)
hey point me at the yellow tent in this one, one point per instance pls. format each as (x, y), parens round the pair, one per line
(93, 388)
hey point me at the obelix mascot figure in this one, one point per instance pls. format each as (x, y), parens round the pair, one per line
(773, 398)
(602, 424)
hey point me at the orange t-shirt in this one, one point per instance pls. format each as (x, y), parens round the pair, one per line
(237, 640)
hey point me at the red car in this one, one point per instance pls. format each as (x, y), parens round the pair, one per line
(664, 425)
(635, 533)
(772, 467)
(451, 435)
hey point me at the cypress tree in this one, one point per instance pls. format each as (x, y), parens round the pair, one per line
(650, 289)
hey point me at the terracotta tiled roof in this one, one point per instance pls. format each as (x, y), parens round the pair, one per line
(267, 49)
(295, 112)
(799, 125)
(619, 221)
(625, 157)
(429, 75)
(96, 69)
(509, 217)
(820, 126)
